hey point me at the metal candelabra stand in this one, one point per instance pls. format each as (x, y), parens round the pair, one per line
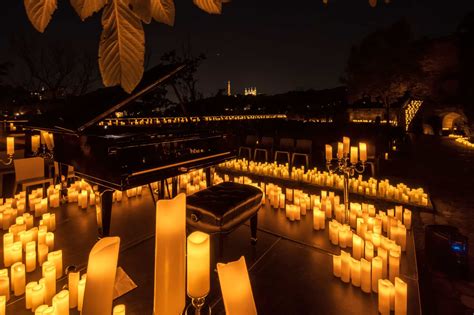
(344, 166)
(44, 152)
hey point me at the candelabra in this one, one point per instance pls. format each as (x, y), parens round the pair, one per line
(44, 152)
(9, 160)
(343, 165)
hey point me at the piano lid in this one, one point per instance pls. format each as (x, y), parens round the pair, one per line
(76, 114)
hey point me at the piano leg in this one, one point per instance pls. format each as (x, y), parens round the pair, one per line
(174, 186)
(104, 211)
(208, 177)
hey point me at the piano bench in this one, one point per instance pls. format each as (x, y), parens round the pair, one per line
(222, 208)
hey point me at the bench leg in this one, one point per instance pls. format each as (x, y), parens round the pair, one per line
(253, 229)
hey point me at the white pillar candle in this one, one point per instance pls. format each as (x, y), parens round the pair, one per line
(369, 250)
(50, 240)
(365, 275)
(101, 270)
(336, 265)
(282, 201)
(328, 152)
(385, 288)
(334, 232)
(376, 272)
(49, 275)
(30, 259)
(16, 253)
(170, 247)
(73, 282)
(40, 309)
(57, 258)
(346, 141)
(3, 305)
(363, 151)
(61, 302)
(119, 309)
(407, 219)
(37, 296)
(394, 265)
(400, 297)
(383, 253)
(354, 155)
(10, 145)
(50, 310)
(28, 293)
(236, 289)
(81, 285)
(18, 278)
(5, 284)
(42, 253)
(355, 272)
(345, 267)
(340, 149)
(198, 264)
(42, 236)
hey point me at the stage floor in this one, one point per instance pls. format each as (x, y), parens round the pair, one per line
(290, 267)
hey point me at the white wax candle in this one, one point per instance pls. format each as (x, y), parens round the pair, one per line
(354, 155)
(10, 145)
(357, 246)
(385, 288)
(198, 264)
(336, 265)
(50, 240)
(340, 149)
(5, 284)
(355, 272)
(42, 253)
(363, 151)
(407, 219)
(394, 265)
(346, 144)
(57, 258)
(345, 267)
(376, 272)
(61, 302)
(49, 274)
(369, 250)
(18, 278)
(401, 297)
(16, 252)
(37, 296)
(28, 293)
(30, 258)
(80, 293)
(73, 282)
(383, 253)
(3, 305)
(119, 309)
(328, 152)
(365, 275)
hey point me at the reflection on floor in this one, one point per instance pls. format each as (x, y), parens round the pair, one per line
(290, 267)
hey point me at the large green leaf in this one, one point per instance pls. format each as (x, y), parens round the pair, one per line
(40, 12)
(86, 8)
(122, 46)
(163, 11)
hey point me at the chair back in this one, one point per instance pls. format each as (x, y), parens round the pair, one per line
(28, 168)
(287, 144)
(304, 146)
(267, 142)
(250, 140)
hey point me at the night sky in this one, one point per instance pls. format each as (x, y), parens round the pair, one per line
(271, 44)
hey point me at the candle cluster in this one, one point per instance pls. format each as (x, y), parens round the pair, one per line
(192, 182)
(345, 150)
(372, 187)
(465, 142)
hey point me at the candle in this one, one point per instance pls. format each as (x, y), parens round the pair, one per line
(383, 253)
(355, 272)
(42, 253)
(346, 144)
(35, 143)
(37, 296)
(3, 305)
(328, 152)
(198, 265)
(336, 265)
(16, 253)
(28, 293)
(170, 250)
(49, 275)
(357, 246)
(30, 259)
(119, 309)
(354, 155)
(369, 250)
(340, 150)
(394, 265)
(363, 151)
(4, 284)
(345, 267)
(407, 219)
(81, 285)
(236, 289)
(376, 272)
(18, 278)
(40, 309)
(10, 145)
(400, 297)
(50, 240)
(61, 303)
(73, 281)
(57, 258)
(365, 275)
(385, 288)
(50, 310)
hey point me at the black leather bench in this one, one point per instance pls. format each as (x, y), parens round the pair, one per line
(222, 208)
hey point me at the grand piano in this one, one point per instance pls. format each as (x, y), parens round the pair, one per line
(124, 157)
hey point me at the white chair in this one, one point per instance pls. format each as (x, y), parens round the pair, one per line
(70, 172)
(29, 172)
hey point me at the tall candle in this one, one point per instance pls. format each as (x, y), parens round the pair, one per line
(365, 275)
(383, 253)
(355, 272)
(363, 151)
(42, 253)
(18, 278)
(3, 305)
(369, 250)
(81, 285)
(101, 270)
(10, 145)
(16, 252)
(37, 296)
(357, 246)
(61, 302)
(35, 143)
(57, 258)
(73, 281)
(394, 265)
(354, 155)
(49, 274)
(346, 144)
(385, 288)
(336, 265)
(28, 293)
(170, 247)
(236, 289)
(30, 258)
(345, 267)
(407, 219)
(198, 265)
(376, 272)
(340, 149)
(5, 285)
(328, 152)
(50, 240)
(400, 297)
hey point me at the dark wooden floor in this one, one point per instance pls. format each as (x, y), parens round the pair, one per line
(290, 267)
